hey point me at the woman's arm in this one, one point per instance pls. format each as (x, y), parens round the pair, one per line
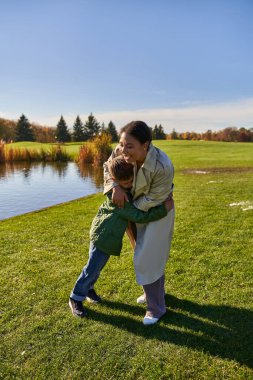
(160, 188)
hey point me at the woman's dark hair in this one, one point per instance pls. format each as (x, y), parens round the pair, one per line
(139, 130)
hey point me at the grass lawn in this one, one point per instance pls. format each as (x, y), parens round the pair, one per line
(207, 332)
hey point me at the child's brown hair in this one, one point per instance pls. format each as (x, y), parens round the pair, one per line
(120, 169)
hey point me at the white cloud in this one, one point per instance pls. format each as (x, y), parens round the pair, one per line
(196, 118)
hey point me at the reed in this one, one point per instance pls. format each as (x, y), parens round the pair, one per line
(54, 154)
(97, 151)
(85, 154)
(57, 153)
(21, 154)
(2, 153)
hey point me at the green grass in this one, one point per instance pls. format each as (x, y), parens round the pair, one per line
(206, 154)
(207, 332)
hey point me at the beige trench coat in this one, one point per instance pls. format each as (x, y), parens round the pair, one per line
(152, 185)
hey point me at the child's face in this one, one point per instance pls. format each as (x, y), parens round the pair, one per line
(126, 183)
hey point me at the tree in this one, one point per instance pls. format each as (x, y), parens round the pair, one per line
(24, 130)
(7, 130)
(155, 132)
(158, 133)
(43, 134)
(91, 128)
(174, 135)
(102, 128)
(62, 132)
(162, 133)
(208, 135)
(193, 136)
(111, 130)
(186, 136)
(78, 133)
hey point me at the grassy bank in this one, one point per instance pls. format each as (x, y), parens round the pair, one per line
(207, 332)
(33, 152)
(72, 149)
(96, 151)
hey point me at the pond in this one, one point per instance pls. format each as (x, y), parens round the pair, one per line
(26, 187)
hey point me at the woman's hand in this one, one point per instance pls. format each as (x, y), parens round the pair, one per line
(119, 196)
(169, 204)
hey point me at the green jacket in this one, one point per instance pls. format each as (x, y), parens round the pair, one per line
(110, 223)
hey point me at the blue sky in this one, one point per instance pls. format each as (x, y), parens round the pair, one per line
(187, 64)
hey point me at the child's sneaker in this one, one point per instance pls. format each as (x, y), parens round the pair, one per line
(77, 308)
(93, 297)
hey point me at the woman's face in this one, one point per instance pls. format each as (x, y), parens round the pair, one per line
(131, 149)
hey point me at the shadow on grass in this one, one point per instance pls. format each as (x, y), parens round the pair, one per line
(222, 331)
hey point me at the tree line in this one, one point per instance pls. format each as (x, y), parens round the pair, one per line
(229, 134)
(84, 131)
(23, 130)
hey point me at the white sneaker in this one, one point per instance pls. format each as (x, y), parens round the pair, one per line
(150, 320)
(141, 299)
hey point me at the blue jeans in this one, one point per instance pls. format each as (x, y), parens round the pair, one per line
(90, 273)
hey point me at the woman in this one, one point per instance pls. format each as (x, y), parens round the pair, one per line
(153, 183)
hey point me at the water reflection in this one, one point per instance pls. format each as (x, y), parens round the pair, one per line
(60, 168)
(29, 186)
(96, 173)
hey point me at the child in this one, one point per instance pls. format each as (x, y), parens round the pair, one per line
(106, 234)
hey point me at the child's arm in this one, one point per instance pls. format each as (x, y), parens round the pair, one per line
(129, 212)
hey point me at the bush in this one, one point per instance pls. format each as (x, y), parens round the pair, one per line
(97, 151)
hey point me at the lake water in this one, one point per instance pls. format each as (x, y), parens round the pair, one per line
(26, 187)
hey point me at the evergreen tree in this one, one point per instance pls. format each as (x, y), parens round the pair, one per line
(62, 132)
(111, 130)
(102, 128)
(174, 135)
(78, 132)
(161, 133)
(24, 130)
(158, 133)
(91, 128)
(155, 132)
